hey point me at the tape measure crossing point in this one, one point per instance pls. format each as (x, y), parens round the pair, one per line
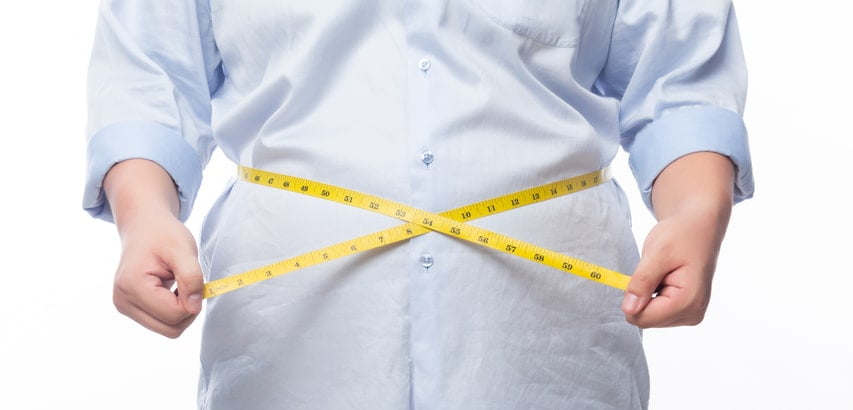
(452, 223)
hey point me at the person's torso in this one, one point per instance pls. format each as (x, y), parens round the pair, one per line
(435, 104)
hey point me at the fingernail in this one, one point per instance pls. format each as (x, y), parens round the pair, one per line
(194, 302)
(630, 303)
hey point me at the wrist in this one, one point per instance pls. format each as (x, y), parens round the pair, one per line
(139, 190)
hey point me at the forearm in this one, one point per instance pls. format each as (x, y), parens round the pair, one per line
(137, 189)
(692, 200)
(158, 252)
(700, 184)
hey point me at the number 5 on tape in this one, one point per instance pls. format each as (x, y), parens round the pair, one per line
(451, 223)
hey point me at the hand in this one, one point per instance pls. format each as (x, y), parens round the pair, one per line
(157, 249)
(671, 285)
(156, 253)
(678, 262)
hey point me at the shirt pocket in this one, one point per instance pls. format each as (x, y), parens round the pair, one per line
(552, 22)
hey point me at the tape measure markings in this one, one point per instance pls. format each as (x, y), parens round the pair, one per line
(420, 222)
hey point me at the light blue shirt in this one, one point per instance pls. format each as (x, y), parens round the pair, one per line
(435, 104)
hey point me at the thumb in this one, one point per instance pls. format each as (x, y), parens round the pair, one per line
(190, 282)
(644, 283)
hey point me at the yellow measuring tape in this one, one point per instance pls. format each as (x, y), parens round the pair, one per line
(451, 223)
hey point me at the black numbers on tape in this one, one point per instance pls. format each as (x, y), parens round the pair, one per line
(472, 211)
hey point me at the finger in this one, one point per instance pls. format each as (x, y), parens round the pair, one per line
(153, 297)
(664, 310)
(190, 282)
(170, 330)
(683, 300)
(645, 281)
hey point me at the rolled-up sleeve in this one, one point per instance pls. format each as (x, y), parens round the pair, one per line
(678, 69)
(153, 69)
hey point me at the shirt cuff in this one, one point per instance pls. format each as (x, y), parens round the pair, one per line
(686, 131)
(146, 140)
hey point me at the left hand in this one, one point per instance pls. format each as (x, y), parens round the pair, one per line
(678, 262)
(671, 285)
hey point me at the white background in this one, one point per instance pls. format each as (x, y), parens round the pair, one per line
(776, 335)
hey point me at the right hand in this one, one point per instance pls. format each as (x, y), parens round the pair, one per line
(158, 251)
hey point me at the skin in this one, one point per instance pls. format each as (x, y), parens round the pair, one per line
(692, 201)
(158, 251)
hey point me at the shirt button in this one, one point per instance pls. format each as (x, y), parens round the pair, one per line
(424, 64)
(427, 157)
(426, 260)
